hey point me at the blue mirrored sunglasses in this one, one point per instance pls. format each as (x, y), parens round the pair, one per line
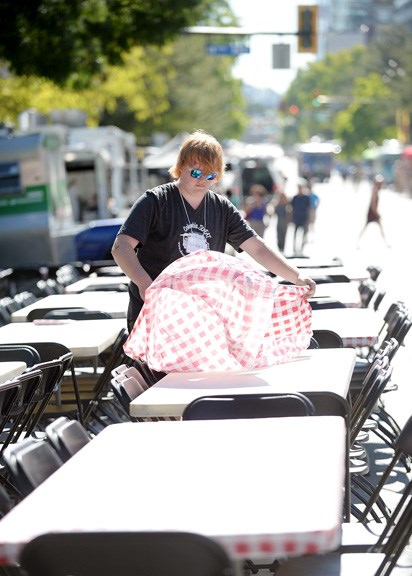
(195, 173)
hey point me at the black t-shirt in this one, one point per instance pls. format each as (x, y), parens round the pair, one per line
(167, 228)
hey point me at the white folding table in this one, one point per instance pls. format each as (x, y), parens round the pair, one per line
(345, 292)
(356, 326)
(323, 370)
(9, 370)
(95, 282)
(85, 338)
(114, 303)
(258, 487)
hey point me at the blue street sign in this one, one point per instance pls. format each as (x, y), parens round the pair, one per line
(227, 49)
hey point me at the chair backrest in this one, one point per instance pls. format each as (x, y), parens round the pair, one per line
(48, 287)
(248, 406)
(126, 390)
(326, 304)
(40, 313)
(115, 287)
(52, 373)
(339, 278)
(124, 371)
(19, 405)
(9, 391)
(6, 503)
(403, 447)
(313, 344)
(367, 289)
(395, 323)
(150, 376)
(327, 339)
(123, 554)
(369, 396)
(377, 300)
(19, 353)
(66, 436)
(49, 350)
(402, 329)
(394, 307)
(30, 462)
(25, 298)
(374, 271)
(77, 314)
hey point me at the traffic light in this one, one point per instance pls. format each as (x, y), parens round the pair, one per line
(308, 29)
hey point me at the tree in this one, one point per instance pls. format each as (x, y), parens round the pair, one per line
(201, 92)
(319, 93)
(173, 88)
(370, 116)
(358, 104)
(74, 40)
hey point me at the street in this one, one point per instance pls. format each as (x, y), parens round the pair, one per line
(340, 219)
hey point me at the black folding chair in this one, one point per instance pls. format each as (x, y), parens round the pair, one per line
(379, 561)
(76, 314)
(126, 390)
(56, 351)
(52, 372)
(248, 406)
(30, 462)
(41, 313)
(19, 353)
(17, 404)
(123, 554)
(66, 436)
(327, 339)
(6, 502)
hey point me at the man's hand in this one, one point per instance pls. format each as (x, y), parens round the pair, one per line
(306, 281)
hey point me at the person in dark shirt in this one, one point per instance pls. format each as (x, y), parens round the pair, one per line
(300, 218)
(255, 208)
(180, 217)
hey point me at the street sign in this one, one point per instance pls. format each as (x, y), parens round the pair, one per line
(227, 49)
(281, 56)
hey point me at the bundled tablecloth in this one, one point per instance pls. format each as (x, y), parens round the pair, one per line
(212, 311)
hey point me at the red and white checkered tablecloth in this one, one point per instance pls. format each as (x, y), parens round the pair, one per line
(358, 341)
(211, 311)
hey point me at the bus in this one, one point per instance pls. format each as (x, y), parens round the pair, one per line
(316, 159)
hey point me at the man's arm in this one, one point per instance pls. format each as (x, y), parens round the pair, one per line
(123, 252)
(276, 263)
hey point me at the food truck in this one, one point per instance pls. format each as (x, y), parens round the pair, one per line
(54, 182)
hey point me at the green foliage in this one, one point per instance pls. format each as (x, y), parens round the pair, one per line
(353, 95)
(172, 88)
(369, 117)
(73, 41)
(201, 92)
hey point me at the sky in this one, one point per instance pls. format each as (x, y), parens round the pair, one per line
(256, 68)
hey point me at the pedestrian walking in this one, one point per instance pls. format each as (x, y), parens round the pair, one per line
(282, 211)
(314, 203)
(255, 208)
(300, 218)
(373, 214)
